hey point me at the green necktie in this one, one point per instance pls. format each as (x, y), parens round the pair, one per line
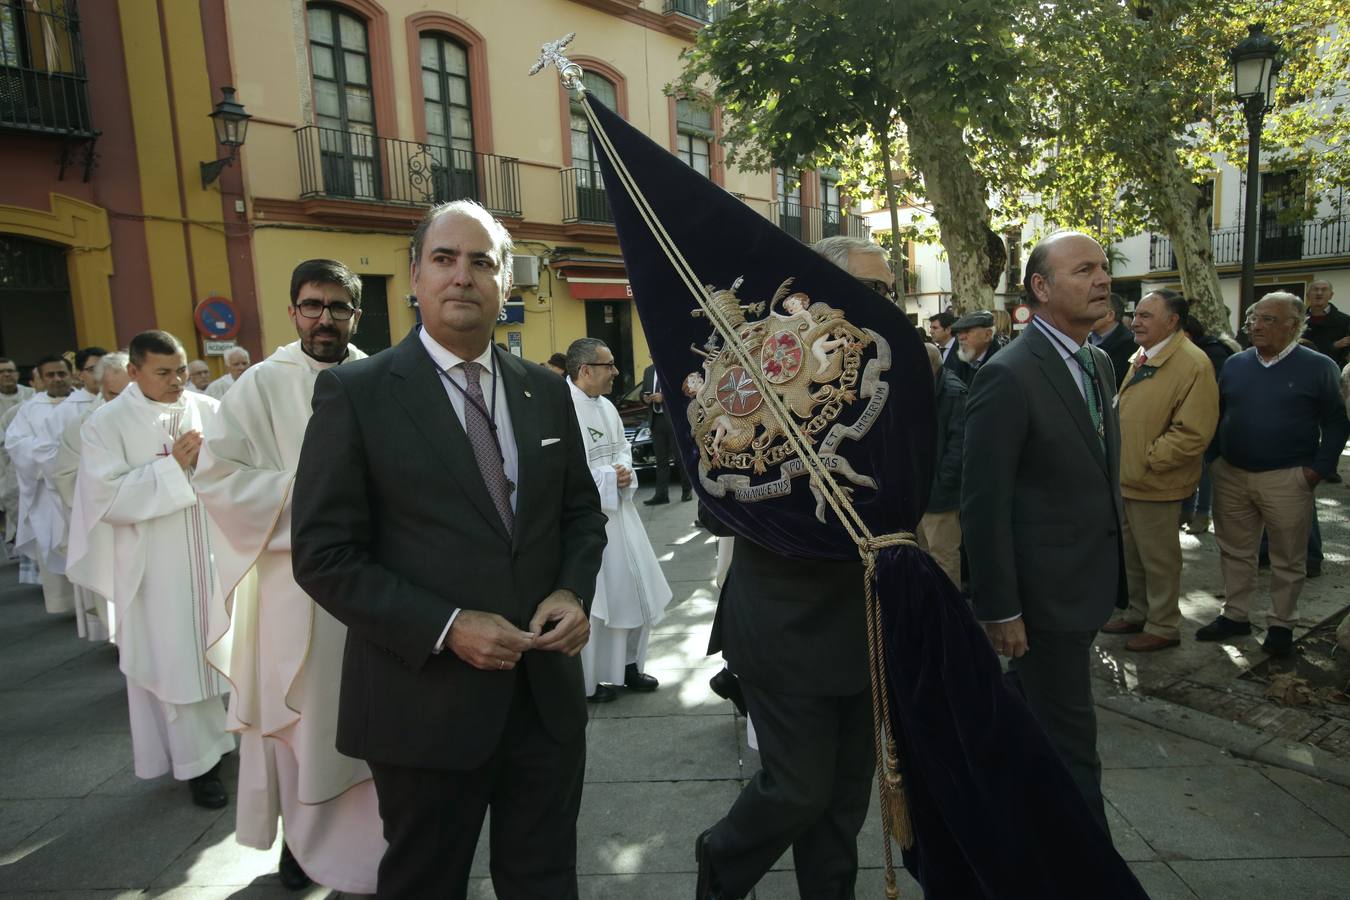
(1084, 355)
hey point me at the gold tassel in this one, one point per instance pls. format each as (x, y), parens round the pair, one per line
(902, 828)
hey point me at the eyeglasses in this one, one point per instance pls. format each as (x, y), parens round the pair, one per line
(880, 287)
(1264, 320)
(313, 309)
(609, 364)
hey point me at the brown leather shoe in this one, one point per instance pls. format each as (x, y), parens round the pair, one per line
(1147, 643)
(1122, 626)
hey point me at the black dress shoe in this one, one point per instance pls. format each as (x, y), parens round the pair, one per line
(207, 791)
(686, 496)
(1223, 628)
(637, 681)
(727, 686)
(603, 694)
(1279, 641)
(293, 878)
(655, 501)
(706, 887)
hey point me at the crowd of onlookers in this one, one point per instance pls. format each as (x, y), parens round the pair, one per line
(1214, 434)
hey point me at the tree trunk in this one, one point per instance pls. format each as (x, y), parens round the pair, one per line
(1180, 212)
(897, 260)
(960, 204)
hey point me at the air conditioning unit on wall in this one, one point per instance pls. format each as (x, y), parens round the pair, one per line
(525, 271)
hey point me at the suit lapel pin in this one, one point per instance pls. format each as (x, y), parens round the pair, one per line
(528, 395)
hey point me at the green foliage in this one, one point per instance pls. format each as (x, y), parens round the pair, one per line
(808, 83)
(1115, 84)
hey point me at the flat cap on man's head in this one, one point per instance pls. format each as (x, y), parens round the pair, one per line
(981, 318)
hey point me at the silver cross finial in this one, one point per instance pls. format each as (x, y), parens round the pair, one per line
(552, 52)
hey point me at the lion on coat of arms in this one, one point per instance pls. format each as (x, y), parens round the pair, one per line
(812, 358)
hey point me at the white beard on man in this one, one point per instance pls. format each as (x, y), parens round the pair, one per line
(281, 653)
(138, 537)
(42, 522)
(631, 593)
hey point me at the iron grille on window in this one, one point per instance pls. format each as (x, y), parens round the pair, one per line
(43, 86)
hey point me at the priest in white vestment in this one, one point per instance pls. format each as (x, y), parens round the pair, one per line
(631, 593)
(199, 376)
(280, 651)
(93, 616)
(42, 521)
(139, 538)
(236, 363)
(12, 394)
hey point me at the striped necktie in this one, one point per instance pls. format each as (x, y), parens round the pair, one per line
(1084, 355)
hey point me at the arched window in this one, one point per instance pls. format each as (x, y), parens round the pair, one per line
(448, 115)
(592, 205)
(344, 104)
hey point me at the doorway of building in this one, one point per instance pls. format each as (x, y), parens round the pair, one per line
(612, 322)
(372, 335)
(36, 315)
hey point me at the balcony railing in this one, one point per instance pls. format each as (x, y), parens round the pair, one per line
(43, 86)
(811, 223)
(349, 165)
(584, 198)
(699, 9)
(1276, 242)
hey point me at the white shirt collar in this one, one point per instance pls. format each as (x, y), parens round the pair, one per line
(1069, 345)
(1156, 348)
(1283, 353)
(446, 360)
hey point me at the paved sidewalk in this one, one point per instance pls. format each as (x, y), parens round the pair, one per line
(1194, 820)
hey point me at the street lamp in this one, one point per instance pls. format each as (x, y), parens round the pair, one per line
(1256, 64)
(231, 124)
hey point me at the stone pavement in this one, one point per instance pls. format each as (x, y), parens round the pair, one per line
(1193, 819)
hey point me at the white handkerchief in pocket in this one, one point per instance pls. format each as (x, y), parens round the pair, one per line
(546, 441)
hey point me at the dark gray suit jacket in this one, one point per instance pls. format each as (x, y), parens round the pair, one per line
(1040, 501)
(393, 528)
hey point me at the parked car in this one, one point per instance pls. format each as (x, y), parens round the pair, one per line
(633, 412)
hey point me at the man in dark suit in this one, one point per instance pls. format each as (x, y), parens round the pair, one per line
(1112, 337)
(1040, 504)
(663, 440)
(795, 634)
(444, 512)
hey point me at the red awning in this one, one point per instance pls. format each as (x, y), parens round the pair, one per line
(596, 289)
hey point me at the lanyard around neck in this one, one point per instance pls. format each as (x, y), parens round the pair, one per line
(1055, 339)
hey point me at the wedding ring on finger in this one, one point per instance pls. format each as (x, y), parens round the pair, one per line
(501, 664)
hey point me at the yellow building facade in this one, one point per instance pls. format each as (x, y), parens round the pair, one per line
(105, 225)
(364, 113)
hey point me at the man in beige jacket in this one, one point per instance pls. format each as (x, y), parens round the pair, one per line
(1169, 408)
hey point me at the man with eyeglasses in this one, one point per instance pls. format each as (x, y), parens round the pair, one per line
(631, 593)
(1282, 426)
(237, 362)
(285, 657)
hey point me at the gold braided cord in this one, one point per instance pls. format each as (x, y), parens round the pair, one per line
(894, 811)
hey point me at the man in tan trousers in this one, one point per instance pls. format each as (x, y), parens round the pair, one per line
(1169, 406)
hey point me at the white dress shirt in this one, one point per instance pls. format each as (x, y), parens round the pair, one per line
(494, 396)
(1067, 347)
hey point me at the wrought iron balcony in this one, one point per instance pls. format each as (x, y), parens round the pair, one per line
(1276, 242)
(699, 9)
(809, 224)
(584, 198)
(349, 165)
(43, 85)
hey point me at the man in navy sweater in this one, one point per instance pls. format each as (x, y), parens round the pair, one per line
(1282, 426)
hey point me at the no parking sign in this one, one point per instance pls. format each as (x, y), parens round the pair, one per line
(217, 318)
